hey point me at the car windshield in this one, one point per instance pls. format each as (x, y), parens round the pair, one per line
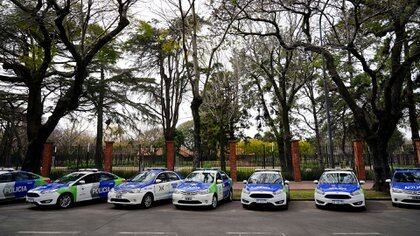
(265, 178)
(407, 177)
(338, 178)
(201, 177)
(144, 177)
(69, 178)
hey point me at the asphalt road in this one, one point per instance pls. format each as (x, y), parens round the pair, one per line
(302, 218)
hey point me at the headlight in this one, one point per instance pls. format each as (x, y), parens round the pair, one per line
(319, 191)
(47, 191)
(245, 191)
(357, 192)
(177, 191)
(203, 192)
(396, 190)
(278, 192)
(112, 190)
(135, 190)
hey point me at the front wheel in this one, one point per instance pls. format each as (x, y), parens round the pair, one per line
(214, 202)
(147, 201)
(64, 201)
(230, 197)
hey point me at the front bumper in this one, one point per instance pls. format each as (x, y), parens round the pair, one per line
(42, 199)
(267, 198)
(354, 201)
(405, 198)
(192, 200)
(125, 198)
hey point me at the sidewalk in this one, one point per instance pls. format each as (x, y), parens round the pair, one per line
(304, 185)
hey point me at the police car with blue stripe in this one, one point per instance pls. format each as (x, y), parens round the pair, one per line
(14, 184)
(339, 187)
(266, 187)
(150, 185)
(405, 187)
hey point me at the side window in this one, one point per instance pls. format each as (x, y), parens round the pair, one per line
(6, 177)
(218, 176)
(105, 177)
(91, 178)
(22, 176)
(224, 176)
(172, 176)
(31, 176)
(162, 176)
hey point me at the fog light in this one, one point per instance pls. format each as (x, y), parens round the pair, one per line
(320, 202)
(206, 201)
(47, 201)
(280, 202)
(245, 201)
(134, 200)
(358, 203)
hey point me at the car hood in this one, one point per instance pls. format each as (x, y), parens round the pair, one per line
(406, 186)
(263, 187)
(131, 185)
(51, 186)
(193, 186)
(348, 188)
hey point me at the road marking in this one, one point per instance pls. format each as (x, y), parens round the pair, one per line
(49, 232)
(358, 233)
(254, 233)
(148, 233)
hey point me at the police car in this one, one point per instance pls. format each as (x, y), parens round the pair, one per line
(151, 185)
(86, 184)
(339, 187)
(204, 187)
(15, 184)
(266, 187)
(405, 187)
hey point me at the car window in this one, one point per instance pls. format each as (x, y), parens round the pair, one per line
(265, 178)
(22, 176)
(224, 176)
(338, 178)
(6, 177)
(172, 176)
(105, 177)
(31, 176)
(162, 176)
(218, 176)
(91, 178)
(200, 177)
(407, 177)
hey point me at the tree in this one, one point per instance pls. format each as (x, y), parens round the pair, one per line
(33, 35)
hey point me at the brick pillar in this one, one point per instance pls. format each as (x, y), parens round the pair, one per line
(232, 160)
(108, 156)
(170, 155)
(47, 159)
(359, 163)
(297, 175)
(417, 150)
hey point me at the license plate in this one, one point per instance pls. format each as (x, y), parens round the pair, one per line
(119, 196)
(261, 200)
(29, 199)
(338, 202)
(187, 198)
(415, 197)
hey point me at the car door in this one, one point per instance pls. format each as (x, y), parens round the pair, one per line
(220, 194)
(174, 181)
(7, 185)
(85, 191)
(106, 182)
(24, 181)
(162, 188)
(226, 185)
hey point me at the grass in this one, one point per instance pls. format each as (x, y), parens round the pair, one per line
(309, 195)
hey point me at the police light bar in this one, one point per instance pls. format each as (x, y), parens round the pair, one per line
(338, 168)
(89, 169)
(406, 169)
(7, 169)
(211, 168)
(276, 170)
(156, 168)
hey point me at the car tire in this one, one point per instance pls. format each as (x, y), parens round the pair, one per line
(245, 206)
(178, 207)
(319, 206)
(230, 197)
(285, 207)
(147, 201)
(395, 204)
(64, 201)
(214, 202)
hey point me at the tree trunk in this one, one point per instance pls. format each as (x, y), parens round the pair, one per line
(378, 147)
(412, 114)
(5, 145)
(280, 150)
(319, 154)
(198, 152)
(287, 139)
(100, 123)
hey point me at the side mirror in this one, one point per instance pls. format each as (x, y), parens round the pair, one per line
(82, 181)
(286, 182)
(158, 181)
(245, 182)
(219, 181)
(388, 181)
(316, 182)
(362, 182)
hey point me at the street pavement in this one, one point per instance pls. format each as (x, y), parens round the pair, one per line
(302, 218)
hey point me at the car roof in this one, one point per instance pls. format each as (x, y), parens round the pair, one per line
(407, 169)
(207, 170)
(339, 171)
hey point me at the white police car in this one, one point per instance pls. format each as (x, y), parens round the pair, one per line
(339, 187)
(14, 184)
(266, 187)
(405, 187)
(86, 184)
(204, 187)
(151, 185)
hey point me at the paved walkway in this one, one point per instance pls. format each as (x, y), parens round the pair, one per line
(308, 185)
